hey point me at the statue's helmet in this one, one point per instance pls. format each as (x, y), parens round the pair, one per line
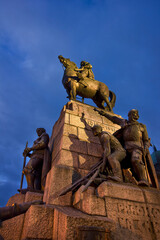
(134, 114)
(96, 129)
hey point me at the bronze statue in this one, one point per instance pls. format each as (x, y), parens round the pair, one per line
(113, 153)
(136, 142)
(39, 164)
(84, 73)
(16, 209)
(81, 82)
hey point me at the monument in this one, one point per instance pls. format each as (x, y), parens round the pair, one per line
(89, 192)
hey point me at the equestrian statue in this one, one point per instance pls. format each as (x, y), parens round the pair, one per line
(81, 82)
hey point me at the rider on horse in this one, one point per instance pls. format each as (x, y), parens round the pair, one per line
(85, 72)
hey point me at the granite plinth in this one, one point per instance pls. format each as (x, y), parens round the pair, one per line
(74, 148)
(135, 210)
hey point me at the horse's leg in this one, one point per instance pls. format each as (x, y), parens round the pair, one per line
(73, 90)
(104, 93)
(108, 103)
(98, 103)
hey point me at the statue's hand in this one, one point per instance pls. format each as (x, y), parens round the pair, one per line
(26, 151)
(145, 151)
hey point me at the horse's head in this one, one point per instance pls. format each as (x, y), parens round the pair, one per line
(61, 58)
(67, 63)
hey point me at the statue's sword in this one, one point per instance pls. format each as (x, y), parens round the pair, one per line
(24, 164)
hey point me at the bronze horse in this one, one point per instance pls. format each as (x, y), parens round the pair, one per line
(95, 90)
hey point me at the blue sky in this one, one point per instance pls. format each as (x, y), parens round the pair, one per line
(120, 38)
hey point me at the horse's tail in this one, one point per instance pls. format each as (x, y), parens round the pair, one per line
(112, 96)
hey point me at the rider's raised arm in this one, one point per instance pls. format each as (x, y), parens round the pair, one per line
(114, 119)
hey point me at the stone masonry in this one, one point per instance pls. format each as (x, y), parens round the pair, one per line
(112, 211)
(74, 148)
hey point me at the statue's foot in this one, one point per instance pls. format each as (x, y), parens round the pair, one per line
(114, 178)
(143, 183)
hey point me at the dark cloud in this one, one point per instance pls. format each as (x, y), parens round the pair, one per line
(119, 38)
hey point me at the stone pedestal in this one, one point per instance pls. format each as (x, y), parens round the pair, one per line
(135, 210)
(74, 148)
(12, 229)
(112, 211)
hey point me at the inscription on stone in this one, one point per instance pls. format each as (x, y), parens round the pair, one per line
(108, 128)
(134, 216)
(143, 212)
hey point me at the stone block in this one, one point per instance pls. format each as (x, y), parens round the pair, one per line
(93, 205)
(47, 186)
(86, 135)
(57, 142)
(11, 229)
(82, 172)
(63, 119)
(76, 121)
(88, 202)
(73, 107)
(74, 145)
(38, 222)
(32, 196)
(89, 113)
(152, 195)
(120, 191)
(110, 128)
(60, 178)
(17, 198)
(74, 222)
(65, 200)
(78, 196)
(86, 161)
(132, 216)
(69, 129)
(66, 158)
(94, 149)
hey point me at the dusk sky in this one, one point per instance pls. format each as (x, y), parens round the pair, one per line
(120, 38)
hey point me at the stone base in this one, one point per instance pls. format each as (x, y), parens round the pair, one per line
(38, 222)
(12, 229)
(135, 210)
(71, 224)
(112, 211)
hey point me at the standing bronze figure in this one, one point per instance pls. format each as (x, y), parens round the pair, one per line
(39, 164)
(81, 82)
(136, 142)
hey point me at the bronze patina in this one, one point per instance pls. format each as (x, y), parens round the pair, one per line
(81, 82)
(39, 164)
(113, 153)
(134, 138)
(16, 209)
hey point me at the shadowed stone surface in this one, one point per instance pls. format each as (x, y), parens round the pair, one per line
(74, 148)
